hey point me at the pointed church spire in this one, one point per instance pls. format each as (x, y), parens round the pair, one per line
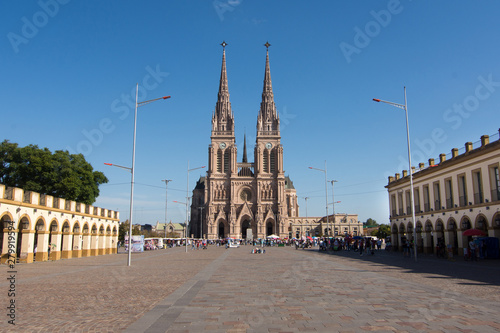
(245, 159)
(223, 88)
(268, 86)
(268, 119)
(222, 119)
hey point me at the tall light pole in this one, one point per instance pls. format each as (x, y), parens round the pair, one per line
(306, 198)
(404, 107)
(132, 169)
(166, 202)
(333, 203)
(187, 197)
(326, 198)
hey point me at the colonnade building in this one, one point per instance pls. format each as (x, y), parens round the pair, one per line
(458, 193)
(41, 227)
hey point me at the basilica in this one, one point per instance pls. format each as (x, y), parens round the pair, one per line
(247, 200)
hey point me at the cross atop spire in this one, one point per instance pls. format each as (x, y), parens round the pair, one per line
(222, 119)
(268, 119)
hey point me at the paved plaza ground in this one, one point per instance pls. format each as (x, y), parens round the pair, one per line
(283, 290)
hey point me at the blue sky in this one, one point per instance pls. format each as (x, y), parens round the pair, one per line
(69, 70)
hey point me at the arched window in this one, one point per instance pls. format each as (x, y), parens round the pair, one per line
(273, 161)
(219, 160)
(265, 160)
(227, 158)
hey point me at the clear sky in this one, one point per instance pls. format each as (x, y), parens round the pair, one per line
(69, 69)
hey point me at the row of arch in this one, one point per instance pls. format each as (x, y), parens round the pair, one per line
(40, 241)
(224, 230)
(449, 231)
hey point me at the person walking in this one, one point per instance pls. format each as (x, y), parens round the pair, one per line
(361, 245)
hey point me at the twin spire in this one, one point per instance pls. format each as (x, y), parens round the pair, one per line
(223, 118)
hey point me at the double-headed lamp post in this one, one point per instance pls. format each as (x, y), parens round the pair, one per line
(166, 202)
(333, 202)
(412, 205)
(187, 196)
(326, 198)
(132, 169)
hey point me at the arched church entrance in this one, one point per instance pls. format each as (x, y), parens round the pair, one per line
(246, 231)
(221, 233)
(269, 228)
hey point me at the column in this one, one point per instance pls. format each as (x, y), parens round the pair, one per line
(67, 249)
(86, 245)
(77, 245)
(55, 245)
(27, 246)
(42, 246)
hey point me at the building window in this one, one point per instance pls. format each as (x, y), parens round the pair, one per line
(265, 160)
(408, 203)
(227, 158)
(400, 203)
(393, 205)
(273, 161)
(462, 191)
(437, 196)
(427, 206)
(219, 160)
(416, 197)
(448, 193)
(495, 184)
(478, 187)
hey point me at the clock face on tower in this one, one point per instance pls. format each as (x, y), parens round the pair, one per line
(269, 145)
(222, 145)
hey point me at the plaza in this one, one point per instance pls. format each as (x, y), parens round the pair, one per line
(232, 290)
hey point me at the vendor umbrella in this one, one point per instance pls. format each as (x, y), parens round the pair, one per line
(474, 232)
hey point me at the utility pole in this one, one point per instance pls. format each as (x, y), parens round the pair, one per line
(166, 202)
(306, 198)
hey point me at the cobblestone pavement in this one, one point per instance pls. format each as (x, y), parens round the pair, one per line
(283, 290)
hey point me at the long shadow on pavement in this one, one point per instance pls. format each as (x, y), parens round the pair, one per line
(485, 272)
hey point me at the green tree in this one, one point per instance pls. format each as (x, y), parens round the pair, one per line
(371, 223)
(122, 231)
(59, 174)
(383, 231)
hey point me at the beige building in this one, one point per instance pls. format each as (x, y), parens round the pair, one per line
(458, 193)
(41, 227)
(171, 229)
(247, 200)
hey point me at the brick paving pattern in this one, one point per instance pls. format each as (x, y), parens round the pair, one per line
(283, 290)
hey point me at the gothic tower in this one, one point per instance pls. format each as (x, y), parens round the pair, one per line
(269, 158)
(244, 200)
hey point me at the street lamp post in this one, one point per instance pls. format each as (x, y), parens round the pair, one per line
(166, 202)
(132, 169)
(187, 197)
(306, 198)
(404, 107)
(326, 198)
(333, 203)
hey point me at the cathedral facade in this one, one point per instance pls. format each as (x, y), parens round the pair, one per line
(244, 200)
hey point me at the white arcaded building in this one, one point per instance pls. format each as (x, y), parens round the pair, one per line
(460, 192)
(41, 227)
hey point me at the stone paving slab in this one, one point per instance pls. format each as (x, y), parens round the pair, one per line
(283, 290)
